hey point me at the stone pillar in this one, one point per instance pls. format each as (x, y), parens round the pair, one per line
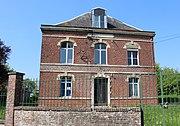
(14, 91)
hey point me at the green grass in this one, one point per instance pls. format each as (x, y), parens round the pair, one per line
(2, 113)
(153, 115)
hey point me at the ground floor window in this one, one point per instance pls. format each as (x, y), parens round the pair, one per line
(65, 86)
(133, 87)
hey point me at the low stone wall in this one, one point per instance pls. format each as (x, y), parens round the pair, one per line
(128, 117)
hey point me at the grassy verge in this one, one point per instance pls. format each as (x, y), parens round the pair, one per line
(2, 113)
(156, 115)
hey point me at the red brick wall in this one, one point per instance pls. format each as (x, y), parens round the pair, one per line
(116, 54)
(83, 54)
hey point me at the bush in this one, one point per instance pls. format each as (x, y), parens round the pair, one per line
(169, 98)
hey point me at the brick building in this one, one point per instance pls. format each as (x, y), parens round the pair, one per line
(96, 60)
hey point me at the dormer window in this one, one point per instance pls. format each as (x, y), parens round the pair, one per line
(99, 18)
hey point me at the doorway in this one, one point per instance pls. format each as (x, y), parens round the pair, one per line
(101, 91)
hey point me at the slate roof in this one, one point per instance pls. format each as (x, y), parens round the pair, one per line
(85, 20)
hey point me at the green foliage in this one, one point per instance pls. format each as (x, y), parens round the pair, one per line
(4, 68)
(2, 112)
(4, 52)
(2, 105)
(169, 98)
(30, 94)
(170, 80)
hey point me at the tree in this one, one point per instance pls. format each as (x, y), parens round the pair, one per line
(4, 68)
(4, 52)
(170, 80)
(29, 90)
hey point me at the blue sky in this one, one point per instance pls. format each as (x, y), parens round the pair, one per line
(20, 23)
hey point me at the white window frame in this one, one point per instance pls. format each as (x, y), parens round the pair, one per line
(65, 90)
(133, 83)
(66, 58)
(99, 21)
(100, 51)
(133, 50)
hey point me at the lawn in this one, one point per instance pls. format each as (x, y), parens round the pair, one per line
(153, 115)
(2, 113)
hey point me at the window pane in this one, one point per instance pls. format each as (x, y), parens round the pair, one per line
(103, 46)
(130, 80)
(96, 57)
(62, 79)
(96, 24)
(70, 45)
(135, 90)
(129, 54)
(102, 21)
(135, 80)
(68, 92)
(62, 89)
(70, 55)
(97, 46)
(68, 79)
(135, 62)
(130, 90)
(69, 85)
(129, 62)
(103, 57)
(63, 44)
(96, 18)
(102, 18)
(62, 55)
(134, 54)
(101, 24)
(96, 21)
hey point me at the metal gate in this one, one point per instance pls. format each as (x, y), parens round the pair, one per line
(2, 105)
(167, 112)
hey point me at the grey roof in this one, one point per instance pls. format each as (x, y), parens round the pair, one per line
(85, 20)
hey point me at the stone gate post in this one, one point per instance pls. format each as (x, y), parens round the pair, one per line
(14, 91)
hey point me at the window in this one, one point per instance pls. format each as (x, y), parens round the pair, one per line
(65, 86)
(99, 18)
(66, 52)
(132, 57)
(100, 53)
(133, 87)
(99, 21)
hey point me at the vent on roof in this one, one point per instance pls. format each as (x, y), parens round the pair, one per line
(99, 18)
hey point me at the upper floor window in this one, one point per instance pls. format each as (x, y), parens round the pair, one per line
(132, 53)
(132, 57)
(100, 53)
(65, 86)
(99, 18)
(133, 87)
(66, 52)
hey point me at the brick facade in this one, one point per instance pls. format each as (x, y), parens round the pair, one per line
(117, 41)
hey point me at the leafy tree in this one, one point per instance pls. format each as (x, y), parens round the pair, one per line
(4, 68)
(170, 80)
(30, 94)
(158, 70)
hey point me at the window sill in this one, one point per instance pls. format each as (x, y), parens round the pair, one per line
(133, 65)
(67, 63)
(65, 97)
(133, 97)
